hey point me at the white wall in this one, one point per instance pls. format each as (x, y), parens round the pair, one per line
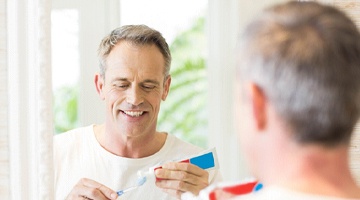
(222, 31)
(4, 141)
(92, 29)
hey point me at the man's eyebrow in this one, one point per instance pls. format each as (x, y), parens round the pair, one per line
(145, 81)
(119, 79)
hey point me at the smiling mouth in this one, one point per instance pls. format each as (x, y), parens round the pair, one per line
(133, 113)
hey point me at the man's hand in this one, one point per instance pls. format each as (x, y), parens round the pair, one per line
(177, 178)
(89, 189)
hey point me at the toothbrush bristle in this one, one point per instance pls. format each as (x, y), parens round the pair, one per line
(141, 180)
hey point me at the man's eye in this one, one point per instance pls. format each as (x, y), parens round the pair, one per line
(121, 86)
(149, 87)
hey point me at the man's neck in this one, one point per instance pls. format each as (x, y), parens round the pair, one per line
(130, 147)
(318, 170)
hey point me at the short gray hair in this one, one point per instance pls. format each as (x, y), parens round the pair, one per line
(306, 58)
(138, 35)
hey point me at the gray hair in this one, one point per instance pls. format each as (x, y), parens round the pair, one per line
(306, 58)
(138, 35)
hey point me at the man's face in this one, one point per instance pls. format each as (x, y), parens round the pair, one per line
(134, 87)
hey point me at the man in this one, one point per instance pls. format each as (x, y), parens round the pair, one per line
(94, 162)
(299, 72)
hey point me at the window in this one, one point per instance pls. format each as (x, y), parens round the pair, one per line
(184, 113)
(66, 70)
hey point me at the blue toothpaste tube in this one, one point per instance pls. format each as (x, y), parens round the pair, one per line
(206, 160)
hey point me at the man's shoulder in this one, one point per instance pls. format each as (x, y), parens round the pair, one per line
(74, 133)
(72, 138)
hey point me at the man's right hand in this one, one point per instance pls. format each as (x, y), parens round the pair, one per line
(90, 189)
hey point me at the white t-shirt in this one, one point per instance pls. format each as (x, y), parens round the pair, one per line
(279, 193)
(77, 154)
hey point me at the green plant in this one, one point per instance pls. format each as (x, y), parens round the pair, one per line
(184, 112)
(66, 108)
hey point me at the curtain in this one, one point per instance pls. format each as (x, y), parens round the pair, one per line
(4, 147)
(28, 100)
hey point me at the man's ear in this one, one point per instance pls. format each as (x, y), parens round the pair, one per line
(166, 88)
(99, 84)
(259, 106)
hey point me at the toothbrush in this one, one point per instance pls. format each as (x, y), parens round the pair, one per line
(140, 182)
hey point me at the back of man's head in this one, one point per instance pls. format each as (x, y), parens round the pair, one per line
(306, 59)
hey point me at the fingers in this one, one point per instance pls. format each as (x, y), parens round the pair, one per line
(90, 189)
(178, 178)
(182, 171)
(177, 188)
(109, 193)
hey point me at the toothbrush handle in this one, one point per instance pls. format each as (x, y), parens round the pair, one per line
(121, 192)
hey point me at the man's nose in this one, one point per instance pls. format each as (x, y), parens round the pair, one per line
(134, 96)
